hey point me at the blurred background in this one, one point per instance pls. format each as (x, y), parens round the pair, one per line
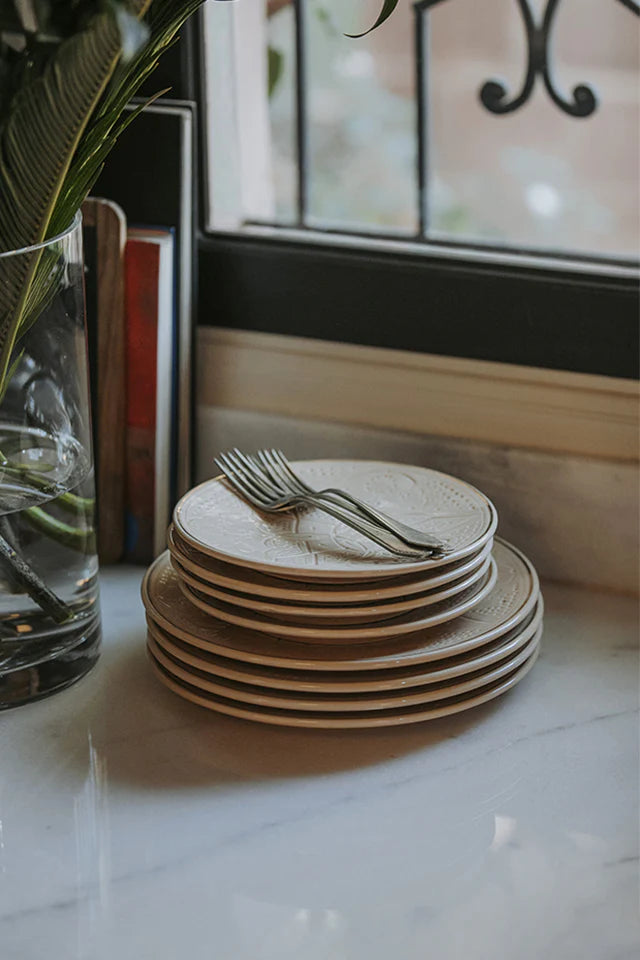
(535, 178)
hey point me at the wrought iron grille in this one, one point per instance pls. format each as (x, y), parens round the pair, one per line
(420, 219)
(492, 93)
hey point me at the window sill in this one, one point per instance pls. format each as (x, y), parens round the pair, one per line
(546, 410)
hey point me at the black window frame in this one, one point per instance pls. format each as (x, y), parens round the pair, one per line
(563, 317)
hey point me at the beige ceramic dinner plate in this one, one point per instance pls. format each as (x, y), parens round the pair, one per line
(227, 576)
(355, 681)
(283, 612)
(308, 544)
(315, 681)
(411, 622)
(346, 720)
(512, 599)
(331, 702)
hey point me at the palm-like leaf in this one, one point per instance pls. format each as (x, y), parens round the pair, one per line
(165, 19)
(60, 125)
(59, 131)
(388, 7)
(37, 146)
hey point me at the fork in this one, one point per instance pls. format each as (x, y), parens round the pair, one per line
(259, 490)
(276, 465)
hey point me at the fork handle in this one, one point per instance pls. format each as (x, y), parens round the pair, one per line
(361, 525)
(408, 535)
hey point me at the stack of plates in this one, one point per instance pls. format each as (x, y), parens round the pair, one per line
(295, 619)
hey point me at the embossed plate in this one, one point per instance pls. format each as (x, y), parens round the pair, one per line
(307, 544)
(411, 622)
(507, 605)
(332, 703)
(227, 576)
(370, 718)
(284, 612)
(355, 681)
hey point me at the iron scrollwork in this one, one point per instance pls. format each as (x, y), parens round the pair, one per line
(495, 96)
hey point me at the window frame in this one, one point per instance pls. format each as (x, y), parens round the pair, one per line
(512, 307)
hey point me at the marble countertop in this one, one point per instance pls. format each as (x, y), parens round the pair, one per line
(136, 826)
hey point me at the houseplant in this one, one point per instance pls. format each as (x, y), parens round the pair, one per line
(68, 68)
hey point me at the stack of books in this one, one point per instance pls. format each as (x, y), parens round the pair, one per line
(133, 337)
(139, 285)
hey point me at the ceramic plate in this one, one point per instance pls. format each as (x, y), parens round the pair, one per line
(356, 681)
(243, 580)
(336, 703)
(507, 605)
(411, 622)
(307, 544)
(284, 612)
(345, 720)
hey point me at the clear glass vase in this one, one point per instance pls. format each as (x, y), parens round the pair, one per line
(49, 608)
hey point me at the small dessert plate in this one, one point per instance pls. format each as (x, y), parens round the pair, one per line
(411, 622)
(288, 612)
(308, 544)
(227, 576)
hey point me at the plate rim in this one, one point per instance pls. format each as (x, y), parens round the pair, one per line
(282, 680)
(363, 633)
(306, 662)
(316, 701)
(279, 589)
(326, 721)
(319, 613)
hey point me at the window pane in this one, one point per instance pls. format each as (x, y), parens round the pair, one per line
(281, 91)
(535, 177)
(222, 147)
(361, 117)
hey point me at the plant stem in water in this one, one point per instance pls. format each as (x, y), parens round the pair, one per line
(39, 592)
(77, 538)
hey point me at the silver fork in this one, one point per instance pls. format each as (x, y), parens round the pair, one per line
(257, 488)
(276, 465)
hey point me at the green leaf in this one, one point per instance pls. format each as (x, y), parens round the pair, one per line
(15, 363)
(165, 19)
(387, 9)
(60, 128)
(275, 66)
(37, 144)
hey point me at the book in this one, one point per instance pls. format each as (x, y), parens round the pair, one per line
(150, 310)
(151, 174)
(104, 235)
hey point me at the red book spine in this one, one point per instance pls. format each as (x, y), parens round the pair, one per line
(142, 261)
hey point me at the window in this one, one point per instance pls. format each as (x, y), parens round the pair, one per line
(393, 190)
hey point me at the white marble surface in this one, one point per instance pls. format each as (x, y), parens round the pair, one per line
(136, 826)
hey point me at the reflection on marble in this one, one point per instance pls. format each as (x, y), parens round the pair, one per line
(134, 825)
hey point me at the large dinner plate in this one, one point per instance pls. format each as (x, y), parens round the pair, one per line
(322, 701)
(411, 622)
(228, 576)
(338, 614)
(346, 720)
(354, 681)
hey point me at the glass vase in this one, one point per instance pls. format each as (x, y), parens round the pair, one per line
(49, 606)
